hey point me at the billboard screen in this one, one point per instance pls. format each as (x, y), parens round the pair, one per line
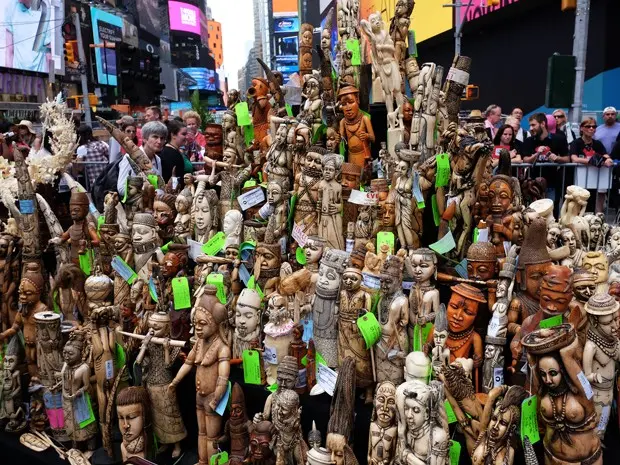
(479, 8)
(106, 28)
(285, 24)
(28, 36)
(206, 79)
(184, 17)
(149, 16)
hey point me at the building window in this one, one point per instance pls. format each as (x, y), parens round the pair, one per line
(210, 27)
(220, 56)
(216, 37)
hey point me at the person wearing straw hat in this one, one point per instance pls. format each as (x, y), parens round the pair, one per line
(26, 133)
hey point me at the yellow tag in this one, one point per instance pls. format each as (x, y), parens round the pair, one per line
(251, 366)
(180, 293)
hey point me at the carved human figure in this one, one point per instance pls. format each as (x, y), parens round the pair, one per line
(49, 346)
(183, 220)
(11, 410)
(355, 128)
(597, 264)
(600, 354)
(232, 226)
(575, 251)
(277, 196)
(408, 216)
(145, 242)
(9, 258)
(568, 417)
(354, 303)
(261, 440)
(424, 296)
(165, 213)
(247, 322)
(393, 316)
(330, 202)
(231, 178)
(211, 357)
(501, 199)
(584, 287)
(279, 164)
(383, 425)
(324, 307)
(278, 335)
(307, 190)
(313, 105)
(268, 259)
(236, 429)
(440, 354)
(133, 412)
(260, 107)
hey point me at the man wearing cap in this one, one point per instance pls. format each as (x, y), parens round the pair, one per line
(608, 132)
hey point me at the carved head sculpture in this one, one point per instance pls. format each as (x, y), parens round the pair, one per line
(144, 230)
(78, 205)
(260, 87)
(268, 257)
(402, 169)
(417, 367)
(277, 192)
(98, 287)
(392, 275)
(518, 228)
(233, 98)
(384, 412)
(388, 212)
(313, 250)
(183, 202)
(556, 290)
(584, 285)
(351, 175)
(164, 209)
(261, 435)
(277, 310)
(312, 85)
(481, 261)
(229, 120)
(571, 239)
(108, 233)
(172, 264)
(500, 195)
(597, 264)
(287, 373)
(463, 307)
(233, 222)
(159, 322)
(205, 213)
(348, 96)
(229, 155)
(314, 161)
(553, 234)
(74, 348)
(440, 333)
(31, 286)
(133, 410)
(238, 414)
(332, 139)
(352, 279)
(614, 290)
(330, 270)
(534, 260)
(506, 415)
(14, 354)
(602, 310)
(423, 265)
(207, 322)
(122, 243)
(247, 313)
(415, 405)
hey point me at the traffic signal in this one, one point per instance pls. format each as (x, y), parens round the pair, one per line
(471, 92)
(71, 51)
(559, 92)
(493, 2)
(569, 5)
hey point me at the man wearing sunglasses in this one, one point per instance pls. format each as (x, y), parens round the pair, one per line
(608, 133)
(561, 124)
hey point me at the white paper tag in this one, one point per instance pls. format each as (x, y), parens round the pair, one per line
(121, 268)
(507, 245)
(363, 198)
(459, 76)
(524, 369)
(270, 355)
(370, 281)
(493, 327)
(417, 192)
(483, 235)
(175, 182)
(498, 376)
(251, 198)
(602, 424)
(585, 384)
(195, 249)
(407, 285)
(298, 234)
(302, 378)
(109, 369)
(326, 378)
(445, 244)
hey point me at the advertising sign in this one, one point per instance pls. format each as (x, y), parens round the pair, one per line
(206, 79)
(479, 8)
(149, 15)
(28, 34)
(285, 24)
(106, 28)
(184, 17)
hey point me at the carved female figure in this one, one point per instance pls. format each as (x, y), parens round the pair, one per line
(330, 202)
(205, 212)
(408, 221)
(277, 196)
(133, 411)
(279, 157)
(307, 190)
(501, 198)
(424, 296)
(355, 127)
(383, 425)
(182, 222)
(11, 410)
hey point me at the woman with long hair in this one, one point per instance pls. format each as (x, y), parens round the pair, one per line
(171, 157)
(506, 136)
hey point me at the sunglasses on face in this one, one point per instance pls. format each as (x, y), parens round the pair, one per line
(559, 116)
(130, 130)
(590, 126)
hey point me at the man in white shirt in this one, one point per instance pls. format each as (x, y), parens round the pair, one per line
(608, 133)
(154, 135)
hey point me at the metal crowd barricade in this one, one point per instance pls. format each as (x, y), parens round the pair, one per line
(563, 166)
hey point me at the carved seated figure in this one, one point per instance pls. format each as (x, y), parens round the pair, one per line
(500, 221)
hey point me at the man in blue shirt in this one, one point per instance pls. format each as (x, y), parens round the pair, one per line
(608, 132)
(26, 46)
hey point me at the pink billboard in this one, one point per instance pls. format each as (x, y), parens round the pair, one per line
(479, 8)
(184, 17)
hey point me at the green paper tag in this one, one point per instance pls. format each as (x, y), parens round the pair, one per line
(353, 45)
(251, 282)
(450, 413)
(247, 245)
(165, 247)
(476, 234)
(342, 148)
(55, 305)
(217, 280)
(249, 183)
(91, 417)
(86, 261)
(289, 109)
(243, 114)
(435, 210)
(529, 419)
(153, 180)
(370, 329)
(180, 293)
(443, 170)
(251, 366)
(304, 360)
(273, 387)
(300, 255)
(126, 189)
(291, 211)
(319, 359)
(420, 335)
(260, 177)
(248, 135)
(445, 244)
(551, 322)
(221, 458)
(215, 244)
(413, 46)
(455, 452)
(100, 221)
(120, 358)
(318, 133)
(385, 237)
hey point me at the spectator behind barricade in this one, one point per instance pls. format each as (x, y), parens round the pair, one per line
(493, 116)
(609, 132)
(542, 146)
(596, 175)
(91, 150)
(128, 127)
(551, 127)
(505, 139)
(171, 157)
(561, 123)
(152, 114)
(154, 134)
(517, 114)
(196, 142)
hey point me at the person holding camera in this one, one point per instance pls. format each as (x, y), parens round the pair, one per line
(588, 151)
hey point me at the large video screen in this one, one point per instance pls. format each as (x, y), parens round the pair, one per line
(106, 28)
(149, 15)
(184, 17)
(31, 34)
(206, 79)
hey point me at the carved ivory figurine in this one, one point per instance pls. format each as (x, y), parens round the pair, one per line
(355, 127)
(182, 222)
(330, 202)
(383, 425)
(408, 218)
(324, 306)
(393, 316)
(440, 354)
(501, 199)
(133, 411)
(278, 335)
(424, 296)
(307, 190)
(568, 417)
(247, 322)
(237, 427)
(423, 435)
(600, 354)
(597, 264)
(571, 240)
(11, 410)
(211, 356)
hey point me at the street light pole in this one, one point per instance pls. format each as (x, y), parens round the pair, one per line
(580, 49)
(458, 23)
(82, 56)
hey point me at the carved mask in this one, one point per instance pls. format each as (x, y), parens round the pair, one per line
(385, 404)
(142, 234)
(500, 197)
(268, 260)
(597, 264)
(461, 313)
(130, 421)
